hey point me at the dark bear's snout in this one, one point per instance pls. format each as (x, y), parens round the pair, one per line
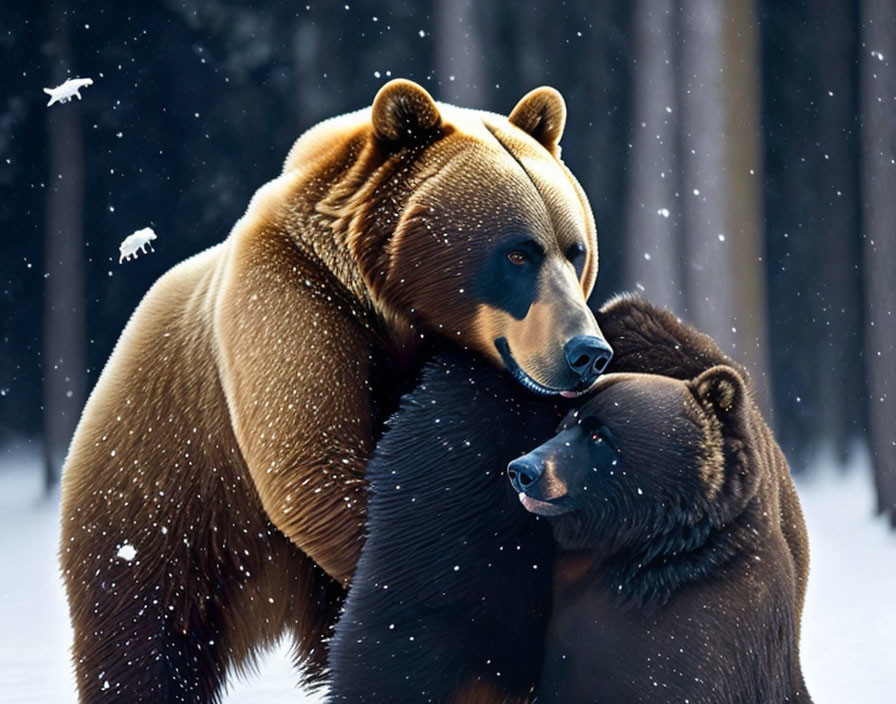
(536, 478)
(524, 472)
(587, 356)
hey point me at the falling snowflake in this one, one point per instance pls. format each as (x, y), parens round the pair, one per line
(68, 90)
(136, 242)
(127, 552)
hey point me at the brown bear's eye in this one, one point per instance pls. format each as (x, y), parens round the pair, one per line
(518, 258)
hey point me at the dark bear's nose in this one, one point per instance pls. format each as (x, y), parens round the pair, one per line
(523, 473)
(587, 357)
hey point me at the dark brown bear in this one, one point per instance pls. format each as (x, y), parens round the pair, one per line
(675, 511)
(213, 496)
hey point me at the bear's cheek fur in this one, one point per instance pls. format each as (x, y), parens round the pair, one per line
(447, 260)
(535, 341)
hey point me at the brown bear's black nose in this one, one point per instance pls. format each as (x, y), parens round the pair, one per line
(523, 473)
(587, 357)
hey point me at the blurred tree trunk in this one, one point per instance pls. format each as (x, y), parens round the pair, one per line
(841, 411)
(724, 284)
(458, 53)
(794, 263)
(709, 272)
(652, 248)
(743, 170)
(878, 88)
(64, 375)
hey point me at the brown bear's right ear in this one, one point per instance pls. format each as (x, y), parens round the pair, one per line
(403, 110)
(721, 391)
(541, 113)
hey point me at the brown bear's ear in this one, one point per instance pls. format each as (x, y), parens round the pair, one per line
(403, 110)
(721, 391)
(541, 113)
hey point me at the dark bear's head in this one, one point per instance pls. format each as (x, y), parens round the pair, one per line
(468, 224)
(643, 455)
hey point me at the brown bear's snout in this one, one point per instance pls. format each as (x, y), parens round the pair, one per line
(587, 356)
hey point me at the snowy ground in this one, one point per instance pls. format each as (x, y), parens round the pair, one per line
(849, 646)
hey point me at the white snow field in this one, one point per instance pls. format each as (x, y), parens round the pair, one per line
(849, 625)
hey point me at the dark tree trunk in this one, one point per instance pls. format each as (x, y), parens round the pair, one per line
(841, 408)
(793, 260)
(878, 88)
(64, 375)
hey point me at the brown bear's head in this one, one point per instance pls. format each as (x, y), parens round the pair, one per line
(467, 224)
(645, 456)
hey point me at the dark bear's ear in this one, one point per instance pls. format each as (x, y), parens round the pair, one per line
(720, 390)
(541, 113)
(726, 467)
(403, 110)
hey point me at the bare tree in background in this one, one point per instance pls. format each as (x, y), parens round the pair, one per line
(878, 89)
(707, 250)
(743, 179)
(694, 201)
(841, 411)
(64, 374)
(652, 247)
(458, 53)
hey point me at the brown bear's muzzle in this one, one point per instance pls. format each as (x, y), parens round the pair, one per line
(587, 356)
(555, 349)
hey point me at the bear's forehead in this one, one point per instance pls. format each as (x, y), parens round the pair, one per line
(486, 185)
(646, 398)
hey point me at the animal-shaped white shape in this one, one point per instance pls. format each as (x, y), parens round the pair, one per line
(136, 242)
(68, 90)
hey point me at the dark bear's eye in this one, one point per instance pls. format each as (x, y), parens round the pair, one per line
(576, 256)
(601, 438)
(517, 257)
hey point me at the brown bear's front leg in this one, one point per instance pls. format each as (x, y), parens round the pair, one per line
(296, 368)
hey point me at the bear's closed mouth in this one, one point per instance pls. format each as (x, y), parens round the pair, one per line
(540, 508)
(516, 371)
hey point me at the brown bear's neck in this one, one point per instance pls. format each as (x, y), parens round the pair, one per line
(336, 219)
(651, 572)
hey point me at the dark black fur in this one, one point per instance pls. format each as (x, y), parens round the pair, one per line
(667, 591)
(489, 616)
(454, 575)
(664, 591)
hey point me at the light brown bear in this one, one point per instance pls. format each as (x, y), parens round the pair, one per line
(213, 496)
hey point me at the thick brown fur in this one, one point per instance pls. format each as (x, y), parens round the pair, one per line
(226, 439)
(686, 556)
(652, 340)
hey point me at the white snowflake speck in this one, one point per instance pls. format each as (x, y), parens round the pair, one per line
(127, 552)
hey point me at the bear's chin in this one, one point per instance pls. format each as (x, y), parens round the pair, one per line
(540, 508)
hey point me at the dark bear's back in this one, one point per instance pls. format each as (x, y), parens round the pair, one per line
(438, 601)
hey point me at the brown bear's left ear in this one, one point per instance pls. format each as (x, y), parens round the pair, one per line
(541, 113)
(720, 390)
(403, 110)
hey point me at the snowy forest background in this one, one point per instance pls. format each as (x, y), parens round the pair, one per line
(739, 157)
